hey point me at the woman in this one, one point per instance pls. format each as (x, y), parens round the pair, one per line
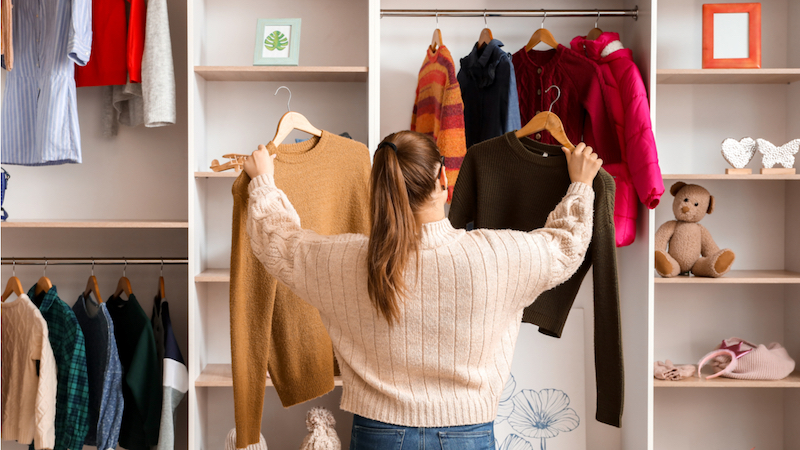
(423, 317)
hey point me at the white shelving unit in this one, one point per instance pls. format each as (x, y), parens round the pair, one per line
(755, 215)
(232, 110)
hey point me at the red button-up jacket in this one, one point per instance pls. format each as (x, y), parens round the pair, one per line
(582, 105)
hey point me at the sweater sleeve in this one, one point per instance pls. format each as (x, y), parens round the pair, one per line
(609, 371)
(640, 149)
(158, 72)
(564, 239)
(288, 252)
(451, 140)
(45, 431)
(465, 195)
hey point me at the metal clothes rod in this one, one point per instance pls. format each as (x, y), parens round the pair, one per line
(511, 13)
(90, 261)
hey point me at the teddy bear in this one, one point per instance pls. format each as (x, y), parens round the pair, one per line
(691, 247)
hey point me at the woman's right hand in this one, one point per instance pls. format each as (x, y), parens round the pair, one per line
(582, 163)
(260, 163)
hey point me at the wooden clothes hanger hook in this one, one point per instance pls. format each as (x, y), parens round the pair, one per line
(543, 19)
(437, 18)
(162, 267)
(485, 22)
(557, 97)
(288, 102)
(14, 267)
(597, 19)
(125, 269)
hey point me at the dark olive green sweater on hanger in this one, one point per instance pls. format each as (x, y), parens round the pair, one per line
(510, 183)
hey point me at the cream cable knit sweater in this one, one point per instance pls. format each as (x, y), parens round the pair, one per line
(29, 400)
(446, 360)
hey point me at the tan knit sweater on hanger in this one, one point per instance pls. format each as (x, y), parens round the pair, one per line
(446, 360)
(270, 326)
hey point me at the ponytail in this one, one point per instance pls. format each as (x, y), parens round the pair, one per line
(402, 179)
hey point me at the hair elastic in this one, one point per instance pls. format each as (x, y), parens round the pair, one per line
(390, 144)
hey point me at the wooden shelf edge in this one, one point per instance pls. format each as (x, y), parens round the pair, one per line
(133, 224)
(226, 174)
(738, 277)
(722, 176)
(213, 276)
(221, 375)
(792, 381)
(728, 76)
(283, 73)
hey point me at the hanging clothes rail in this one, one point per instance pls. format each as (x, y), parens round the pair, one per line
(511, 13)
(90, 261)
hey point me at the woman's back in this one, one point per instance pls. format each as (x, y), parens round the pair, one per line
(446, 357)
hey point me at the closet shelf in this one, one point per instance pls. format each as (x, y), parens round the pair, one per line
(727, 76)
(722, 176)
(221, 375)
(226, 174)
(213, 276)
(283, 73)
(93, 224)
(738, 277)
(792, 381)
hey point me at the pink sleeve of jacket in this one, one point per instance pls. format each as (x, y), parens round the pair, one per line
(640, 149)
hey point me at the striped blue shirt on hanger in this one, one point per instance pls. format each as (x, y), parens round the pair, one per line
(40, 115)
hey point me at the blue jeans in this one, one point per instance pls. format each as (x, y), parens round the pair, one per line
(370, 434)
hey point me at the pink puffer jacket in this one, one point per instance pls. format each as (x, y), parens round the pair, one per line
(635, 170)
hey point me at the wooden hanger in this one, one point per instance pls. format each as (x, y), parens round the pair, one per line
(547, 121)
(124, 284)
(595, 32)
(14, 285)
(44, 284)
(436, 40)
(542, 35)
(92, 287)
(486, 33)
(292, 121)
(485, 38)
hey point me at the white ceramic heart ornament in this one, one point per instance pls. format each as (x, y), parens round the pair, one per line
(783, 155)
(738, 153)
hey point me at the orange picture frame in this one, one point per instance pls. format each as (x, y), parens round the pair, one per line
(754, 59)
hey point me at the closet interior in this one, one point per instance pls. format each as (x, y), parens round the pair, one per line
(150, 193)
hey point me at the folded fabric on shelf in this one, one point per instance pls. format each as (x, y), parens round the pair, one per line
(668, 371)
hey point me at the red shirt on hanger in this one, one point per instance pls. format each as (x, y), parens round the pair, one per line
(116, 47)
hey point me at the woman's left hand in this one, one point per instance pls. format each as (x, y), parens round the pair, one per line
(260, 163)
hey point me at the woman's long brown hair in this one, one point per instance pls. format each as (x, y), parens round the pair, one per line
(401, 182)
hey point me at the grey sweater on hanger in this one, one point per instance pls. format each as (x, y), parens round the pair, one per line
(152, 102)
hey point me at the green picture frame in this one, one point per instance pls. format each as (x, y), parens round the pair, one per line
(277, 42)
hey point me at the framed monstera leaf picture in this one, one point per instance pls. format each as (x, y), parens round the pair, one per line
(277, 42)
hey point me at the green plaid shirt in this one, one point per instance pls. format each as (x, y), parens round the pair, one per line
(69, 348)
